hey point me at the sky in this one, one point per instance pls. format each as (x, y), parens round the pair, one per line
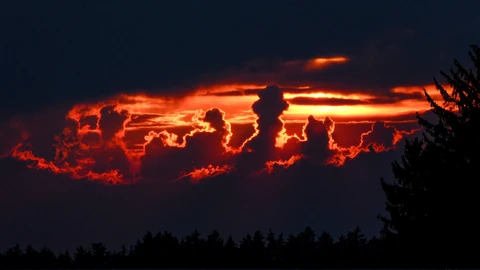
(119, 117)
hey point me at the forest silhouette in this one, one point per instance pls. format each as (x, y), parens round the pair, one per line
(432, 207)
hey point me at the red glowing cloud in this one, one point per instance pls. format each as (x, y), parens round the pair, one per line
(321, 62)
(130, 138)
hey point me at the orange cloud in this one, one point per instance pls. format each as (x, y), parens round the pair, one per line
(321, 62)
(130, 138)
(309, 100)
(205, 172)
(271, 165)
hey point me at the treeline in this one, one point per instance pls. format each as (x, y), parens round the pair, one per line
(258, 250)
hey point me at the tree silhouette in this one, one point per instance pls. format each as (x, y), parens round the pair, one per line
(274, 248)
(46, 258)
(192, 249)
(230, 251)
(305, 246)
(246, 250)
(13, 256)
(64, 260)
(31, 257)
(100, 255)
(214, 249)
(166, 248)
(325, 245)
(433, 201)
(304, 250)
(82, 258)
(355, 241)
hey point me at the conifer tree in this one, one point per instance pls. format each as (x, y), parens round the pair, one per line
(433, 200)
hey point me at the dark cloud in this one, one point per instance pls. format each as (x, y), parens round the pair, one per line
(241, 132)
(165, 162)
(261, 148)
(111, 121)
(11, 134)
(62, 52)
(243, 92)
(78, 212)
(349, 102)
(401, 117)
(380, 134)
(90, 121)
(326, 101)
(318, 137)
(216, 118)
(313, 145)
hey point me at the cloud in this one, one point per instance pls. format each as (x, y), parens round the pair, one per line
(382, 100)
(111, 121)
(125, 140)
(133, 58)
(132, 155)
(383, 137)
(81, 212)
(200, 153)
(10, 135)
(318, 137)
(261, 146)
(325, 101)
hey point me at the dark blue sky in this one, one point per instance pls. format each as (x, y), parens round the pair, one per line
(56, 53)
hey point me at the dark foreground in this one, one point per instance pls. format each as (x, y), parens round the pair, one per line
(305, 250)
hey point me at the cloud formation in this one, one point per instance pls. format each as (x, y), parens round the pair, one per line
(130, 139)
(71, 122)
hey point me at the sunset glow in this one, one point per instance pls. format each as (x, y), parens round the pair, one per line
(217, 128)
(328, 60)
(138, 134)
(321, 62)
(144, 119)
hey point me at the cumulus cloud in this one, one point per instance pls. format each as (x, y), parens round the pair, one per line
(261, 146)
(238, 187)
(111, 121)
(201, 153)
(114, 142)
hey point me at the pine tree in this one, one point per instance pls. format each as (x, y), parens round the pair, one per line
(433, 200)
